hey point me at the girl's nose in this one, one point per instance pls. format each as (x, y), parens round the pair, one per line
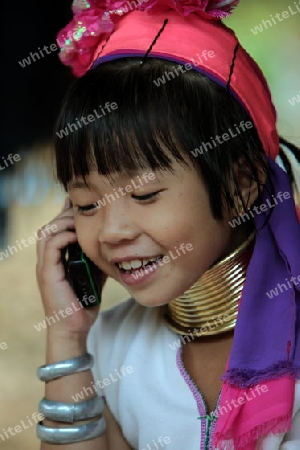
(116, 225)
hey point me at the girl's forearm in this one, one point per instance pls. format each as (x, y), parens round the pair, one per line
(69, 388)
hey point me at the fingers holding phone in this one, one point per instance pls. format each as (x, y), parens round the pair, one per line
(53, 277)
(84, 276)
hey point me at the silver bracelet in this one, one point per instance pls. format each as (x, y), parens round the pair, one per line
(71, 412)
(72, 434)
(67, 367)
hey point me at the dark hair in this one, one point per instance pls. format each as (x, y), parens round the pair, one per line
(153, 123)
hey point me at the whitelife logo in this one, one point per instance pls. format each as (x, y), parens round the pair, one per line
(86, 120)
(10, 160)
(143, 179)
(250, 395)
(158, 444)
(279, 17)
(35, 56)
(295, 100)
(65, 312)
(197, 332)
(31, 240)
(274, 292)
(184, 68)
(242, 127)
(102, 383)
(37, 417)
(259, 209)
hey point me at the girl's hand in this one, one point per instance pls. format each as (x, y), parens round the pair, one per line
(57, 294)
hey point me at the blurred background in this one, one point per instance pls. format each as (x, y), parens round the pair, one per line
(30, 197)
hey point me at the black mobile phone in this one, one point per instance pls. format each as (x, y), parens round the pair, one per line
(83, 275)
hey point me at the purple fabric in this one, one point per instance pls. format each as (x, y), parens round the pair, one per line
(266, 339)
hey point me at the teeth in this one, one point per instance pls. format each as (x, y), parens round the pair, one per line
(145, 261)
(128, 265)
(125, 265)
(136, 263)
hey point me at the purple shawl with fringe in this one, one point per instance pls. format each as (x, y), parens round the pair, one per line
(266, 347)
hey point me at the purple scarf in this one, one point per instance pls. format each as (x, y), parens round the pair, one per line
(266, 347)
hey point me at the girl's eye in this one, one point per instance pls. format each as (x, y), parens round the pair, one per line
(87, 207)
(140, 198)
(147, 197)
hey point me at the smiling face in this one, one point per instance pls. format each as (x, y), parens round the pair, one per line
(151, 215)
(180, 218)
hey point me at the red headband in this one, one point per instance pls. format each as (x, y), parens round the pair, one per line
(192, 35)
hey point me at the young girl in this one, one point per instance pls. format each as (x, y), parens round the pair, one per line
(166, 146)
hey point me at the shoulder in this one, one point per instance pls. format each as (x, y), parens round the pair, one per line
(122, 314)
(113, 320)
(118, 328)
(118, 319)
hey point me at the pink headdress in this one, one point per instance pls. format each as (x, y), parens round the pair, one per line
(113, 29)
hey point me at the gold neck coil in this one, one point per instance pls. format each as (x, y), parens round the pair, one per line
(210, 306)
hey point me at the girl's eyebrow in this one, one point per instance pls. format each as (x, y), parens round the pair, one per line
(79, 184)
(123, 177)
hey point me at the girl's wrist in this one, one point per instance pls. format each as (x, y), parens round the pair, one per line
(62, 346)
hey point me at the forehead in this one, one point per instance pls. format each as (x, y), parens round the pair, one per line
(94, 178)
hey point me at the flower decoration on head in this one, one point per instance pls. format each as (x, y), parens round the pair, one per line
(207, 9)
(82, 35)
(94, 21)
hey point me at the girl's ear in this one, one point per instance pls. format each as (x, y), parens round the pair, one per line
(249, 189)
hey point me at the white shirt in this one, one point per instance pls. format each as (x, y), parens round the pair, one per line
(152, 397)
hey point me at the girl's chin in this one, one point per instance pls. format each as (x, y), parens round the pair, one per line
(154, 296)
(151, 302)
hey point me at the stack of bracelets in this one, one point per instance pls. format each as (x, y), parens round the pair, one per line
(68, 412)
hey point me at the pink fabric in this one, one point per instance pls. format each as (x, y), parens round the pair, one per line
(94, 21)
(252, 418)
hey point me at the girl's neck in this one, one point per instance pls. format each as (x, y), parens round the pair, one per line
(209, 307)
